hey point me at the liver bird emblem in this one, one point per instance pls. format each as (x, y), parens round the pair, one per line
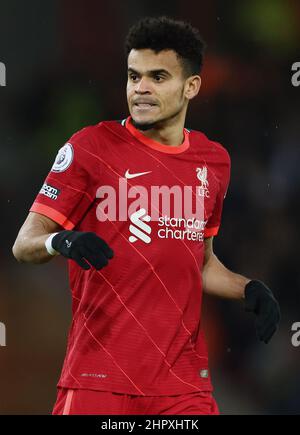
(202, 176)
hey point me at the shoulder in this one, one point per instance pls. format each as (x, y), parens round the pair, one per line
(207, 145)
(78, 148)
(92, 135)
(88, 143)
(215, 156)
(214, 150)
(86, 134)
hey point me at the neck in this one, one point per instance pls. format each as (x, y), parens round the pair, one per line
(169, 132)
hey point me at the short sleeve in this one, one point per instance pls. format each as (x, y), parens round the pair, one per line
(69, 188)
(214, 222)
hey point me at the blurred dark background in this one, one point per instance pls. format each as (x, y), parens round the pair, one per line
(65, 70)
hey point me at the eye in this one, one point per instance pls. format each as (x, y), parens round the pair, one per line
(158, 78)
(133, 77)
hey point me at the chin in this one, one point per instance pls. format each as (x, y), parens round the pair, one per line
(143, 125)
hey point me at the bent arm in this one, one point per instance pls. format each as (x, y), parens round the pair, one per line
(29, 246)
(217, 279)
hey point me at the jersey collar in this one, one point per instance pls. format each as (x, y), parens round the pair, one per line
(168, 149)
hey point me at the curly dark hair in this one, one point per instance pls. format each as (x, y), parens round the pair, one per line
(163, 33)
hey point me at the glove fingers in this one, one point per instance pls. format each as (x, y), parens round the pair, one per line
(263, 323)
(270, 314)
(266, 326)
(267, 334)
(95, 243)
(81, 262)
(98, 260)
(268, 330)
(103, 246)
(250, 306)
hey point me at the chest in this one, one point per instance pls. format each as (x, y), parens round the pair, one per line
(152, 191)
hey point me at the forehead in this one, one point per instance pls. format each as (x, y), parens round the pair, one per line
(144, 60)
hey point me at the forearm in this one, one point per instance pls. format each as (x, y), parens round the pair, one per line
(220, 281)
(30, 247)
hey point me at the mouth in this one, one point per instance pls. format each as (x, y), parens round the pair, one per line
(144, 106)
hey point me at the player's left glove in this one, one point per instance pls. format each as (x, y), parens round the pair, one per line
(260, 300)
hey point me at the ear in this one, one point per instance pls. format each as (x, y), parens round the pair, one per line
(192, 87)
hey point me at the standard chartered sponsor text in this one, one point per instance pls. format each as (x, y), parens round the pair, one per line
(181, 228)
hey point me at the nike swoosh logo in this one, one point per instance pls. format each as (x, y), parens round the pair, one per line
(129, 176)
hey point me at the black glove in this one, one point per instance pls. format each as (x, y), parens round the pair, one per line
(260, 300)
(82, 246)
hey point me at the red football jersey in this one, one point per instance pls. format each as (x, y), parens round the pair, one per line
(136, 323)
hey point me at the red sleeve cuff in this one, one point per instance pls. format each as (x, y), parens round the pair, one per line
(55, 215)
(209, 232)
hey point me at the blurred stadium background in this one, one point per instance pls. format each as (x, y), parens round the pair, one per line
(65, 70)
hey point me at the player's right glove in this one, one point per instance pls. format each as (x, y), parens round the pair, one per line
(260, 300)
(82, 247)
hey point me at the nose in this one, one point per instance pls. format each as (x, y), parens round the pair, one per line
(143, 86)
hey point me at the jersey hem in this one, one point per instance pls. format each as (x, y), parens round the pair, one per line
(169, 392)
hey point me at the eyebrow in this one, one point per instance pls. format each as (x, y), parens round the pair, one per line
(151, 72)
